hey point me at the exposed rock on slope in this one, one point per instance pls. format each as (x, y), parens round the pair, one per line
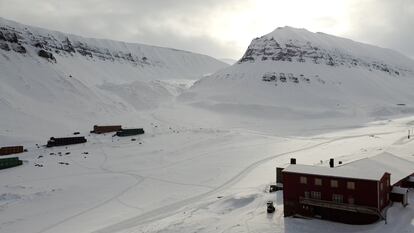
(180, 64)
(319, 48)
(296, 74)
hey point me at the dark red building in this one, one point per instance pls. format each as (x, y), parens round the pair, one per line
(357, 192)
(11, 150)
(100, 129)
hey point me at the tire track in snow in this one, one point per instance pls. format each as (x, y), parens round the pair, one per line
(138, 180)
(173, 208)
(93, 207)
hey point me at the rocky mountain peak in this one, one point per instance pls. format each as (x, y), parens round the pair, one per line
(288, 44)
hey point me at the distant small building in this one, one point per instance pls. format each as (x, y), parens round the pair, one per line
(65, 141)
(358, 192)
(130, 132)
(11, 150)
(10, 162)
(99, 129)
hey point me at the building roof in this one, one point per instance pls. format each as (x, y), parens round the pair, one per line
(372, 168)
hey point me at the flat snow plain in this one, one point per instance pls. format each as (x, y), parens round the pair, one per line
(181, 177)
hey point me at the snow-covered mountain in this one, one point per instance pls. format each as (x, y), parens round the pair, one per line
(296, 74)
(53, 80)
(228, 61)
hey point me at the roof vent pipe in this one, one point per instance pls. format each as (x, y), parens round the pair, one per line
(292, 161)
(331, 163)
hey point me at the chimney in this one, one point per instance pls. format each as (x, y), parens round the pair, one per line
(331, 162)
(292, 161)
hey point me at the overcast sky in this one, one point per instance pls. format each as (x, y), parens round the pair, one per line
(220, 28)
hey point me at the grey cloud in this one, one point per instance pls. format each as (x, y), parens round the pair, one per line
(385, 23)
(160, 22)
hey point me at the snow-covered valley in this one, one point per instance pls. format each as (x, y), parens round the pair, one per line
(214, 135)
(181, 180)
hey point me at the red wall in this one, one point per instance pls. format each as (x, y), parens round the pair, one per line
(365, 192)
(384, 193)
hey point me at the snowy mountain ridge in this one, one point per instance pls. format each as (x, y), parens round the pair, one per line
(52, 81)
(293, 74)
(52, 44)
(300, 45)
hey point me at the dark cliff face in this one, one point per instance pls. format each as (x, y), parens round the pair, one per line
(47, 46)
(269, 49)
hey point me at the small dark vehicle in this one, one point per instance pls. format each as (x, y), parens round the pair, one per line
(270, 207)
(272, 188)
(275, 188)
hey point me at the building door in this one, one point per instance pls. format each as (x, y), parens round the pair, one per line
(317, 212)
(405, 199)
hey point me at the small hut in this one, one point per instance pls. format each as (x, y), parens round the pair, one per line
(11, 150)
(99, 129)
(130, 132)
(10, 162)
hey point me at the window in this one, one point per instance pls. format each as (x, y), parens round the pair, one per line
(318, 181)
(334, 183)
(316, 195)
(351, 200)
(381, 202)
(303, 180)
(381, 186)
(350, 185)
(306, 194)
(337, 198)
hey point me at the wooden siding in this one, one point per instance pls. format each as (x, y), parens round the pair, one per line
(11, 150)
(367, 193)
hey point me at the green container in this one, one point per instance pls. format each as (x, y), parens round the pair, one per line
(10, 162)
(130, 132)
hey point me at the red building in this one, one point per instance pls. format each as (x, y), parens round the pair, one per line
(11, 150)
(357, 192)
(100, 129)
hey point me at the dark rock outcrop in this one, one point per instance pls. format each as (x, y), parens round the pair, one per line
(268, 49)
(4, 46)
(46, 54)
(62, 45)
(18, 48)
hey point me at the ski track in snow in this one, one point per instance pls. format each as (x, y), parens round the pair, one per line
(164, 211)
(139, 179)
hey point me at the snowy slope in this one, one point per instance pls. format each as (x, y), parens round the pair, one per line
(228, 61)
(55, 82)
(296, 74)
